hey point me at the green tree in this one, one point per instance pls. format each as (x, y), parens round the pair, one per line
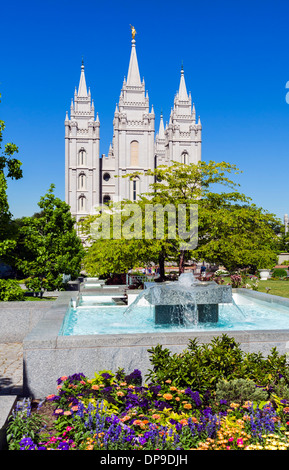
(236, 236)
(10, 167)
(107, 254)
(48, 244)
(231, 230)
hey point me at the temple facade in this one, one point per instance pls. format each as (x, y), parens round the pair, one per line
(135, 146)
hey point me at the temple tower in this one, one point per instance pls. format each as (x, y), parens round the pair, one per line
(132, 148)
(82, 190)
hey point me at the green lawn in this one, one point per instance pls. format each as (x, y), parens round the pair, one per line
(276, 287)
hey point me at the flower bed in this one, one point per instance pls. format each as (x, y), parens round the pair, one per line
(115, 411)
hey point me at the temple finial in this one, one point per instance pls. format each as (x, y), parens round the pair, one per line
(133, 31)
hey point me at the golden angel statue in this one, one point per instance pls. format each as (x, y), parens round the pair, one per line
(133, 31)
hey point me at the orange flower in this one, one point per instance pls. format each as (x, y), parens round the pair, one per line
(184, 422)
(177, 398)
(95, 387)
(64, 377)
(120, 394)
(187, 406)
(67, 413)
(140, 423)
(58, 411)
(167, 396)
(168, 381)
(125, 418)
(50, 396)
(74, 408)
(156, 416)
(173, 389)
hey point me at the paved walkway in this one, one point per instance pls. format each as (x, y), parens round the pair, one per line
(11, 368)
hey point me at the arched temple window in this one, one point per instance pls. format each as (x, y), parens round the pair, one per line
(134, 188)
(134, 153)
(185, 157)
(82, 157)
(82, 181)
(81, 203)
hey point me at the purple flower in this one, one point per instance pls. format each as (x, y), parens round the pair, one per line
(223, 402)
(26, 443)
(195, 396)
(106, 375)
(135, 378)
(142, 440)
(63, 446)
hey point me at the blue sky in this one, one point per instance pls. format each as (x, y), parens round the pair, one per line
(236, 62)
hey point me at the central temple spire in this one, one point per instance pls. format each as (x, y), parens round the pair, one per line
(183, 95)
(82, 90)
(133, 76)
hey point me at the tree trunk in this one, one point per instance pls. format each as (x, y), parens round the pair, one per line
(182, 262)
(162, 266)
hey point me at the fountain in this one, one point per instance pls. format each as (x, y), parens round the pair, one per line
(187, 300)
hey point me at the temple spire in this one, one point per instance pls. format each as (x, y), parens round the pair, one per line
(133, 76)
(82, 89)
(183, 95)
(161, 128)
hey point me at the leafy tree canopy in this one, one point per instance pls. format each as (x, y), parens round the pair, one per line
(10, 167)
(48, 243)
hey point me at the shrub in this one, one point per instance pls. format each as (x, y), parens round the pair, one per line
(240, 391)
(34, 284)
(10, 290)
(236, 281)
(221, 272)
(279, 272)
(202, 366)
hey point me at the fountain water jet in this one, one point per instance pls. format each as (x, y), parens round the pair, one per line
(184, 301)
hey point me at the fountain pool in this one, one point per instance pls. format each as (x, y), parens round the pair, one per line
(98, 316)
